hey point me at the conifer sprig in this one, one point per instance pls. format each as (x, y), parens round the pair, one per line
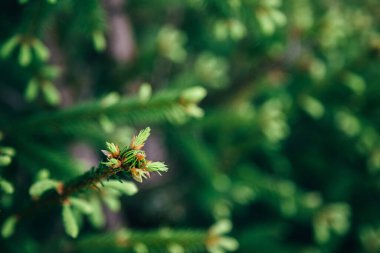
(139, 141)
(174, 106)
(131, 161)
(213, 240)
(121, 165)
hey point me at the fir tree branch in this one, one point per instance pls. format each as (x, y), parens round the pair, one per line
(121, 164)
(163, 240)
(154, 241)
(174, 106)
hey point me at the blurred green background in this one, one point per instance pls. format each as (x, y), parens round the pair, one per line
(285, 145)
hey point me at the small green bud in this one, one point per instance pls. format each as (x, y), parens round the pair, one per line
(6, 186)
(278, 17)
(145, 92)
(194, 110)
(237, 29)
(50, 93)
(228, 243)
(39, 187)
(267, 25)
(156, 167)
(8, 226)
(25, 55)
(113, 163)
(9, 46)
(355, 82)
(194, 94)
(312, 106)
(43, 174)
(80, 204)
(110, 99)
(31, 90)
(99, 41)
(138, 174)
(113, 148)
(176, 248)
(221, 227)
(127, 188)
(140, 139)
(69, 222)
(42, 52)
(5, 160)
(171, 44)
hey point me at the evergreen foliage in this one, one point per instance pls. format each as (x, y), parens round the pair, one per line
(265, 111)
